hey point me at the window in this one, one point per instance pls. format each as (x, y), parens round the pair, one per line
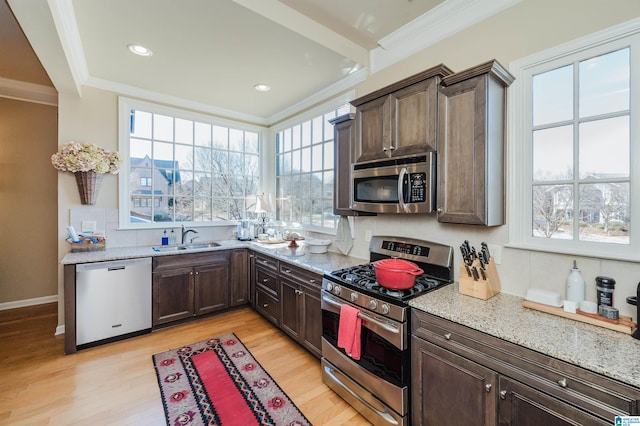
(304, 172)
(573, 134)
(184, 167)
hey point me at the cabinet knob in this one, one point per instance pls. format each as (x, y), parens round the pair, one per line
(384, 148)
(439, 211)
(312, 281)
(264, 280)
(562, 382)
(197, 273)
(447, 336)
(265, 305)
(298, 292)
(503, 394)
(191, 273)
(391, 148)
(288, 271)
(487, 387)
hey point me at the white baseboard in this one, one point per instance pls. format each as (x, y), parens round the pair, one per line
(28, 302)
(60, 329)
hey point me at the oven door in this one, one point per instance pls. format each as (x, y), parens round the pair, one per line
(383, 367)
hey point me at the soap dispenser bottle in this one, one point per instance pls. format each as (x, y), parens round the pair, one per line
(575, 285)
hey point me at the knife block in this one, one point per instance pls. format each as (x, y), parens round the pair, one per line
(481, 289)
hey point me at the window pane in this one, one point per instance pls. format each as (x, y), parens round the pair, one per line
(295, 134)
(236, 140)
(605, 212)
(251, 142)
(141, 124)
(184, 157)
(203, 134)
(163, 127)
(306, 133)
(328, 156)
(203, 159)
(139, 148)
(604, 148)
(306, 159)
(220, 137)
(184, 131)
(553, 211)
(317, 157)
(317, 130)
(604, 84)
(163, 151)
(553, 96)
(553, 154)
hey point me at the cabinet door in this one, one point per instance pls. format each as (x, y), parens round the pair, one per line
(173, 291)
(343, 138)
(239, 277)
(372, 130)
(520, 405)
(447, 387)
(290, 308)
(211, 288)
(414, 118)
(311, 336)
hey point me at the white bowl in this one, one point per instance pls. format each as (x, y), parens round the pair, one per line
(317, 246)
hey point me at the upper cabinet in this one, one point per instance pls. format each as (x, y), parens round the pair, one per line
(400, 119)
(471, 127)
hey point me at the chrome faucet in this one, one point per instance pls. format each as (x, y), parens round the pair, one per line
(186, 231)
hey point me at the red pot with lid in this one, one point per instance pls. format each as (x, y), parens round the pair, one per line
(396, 274)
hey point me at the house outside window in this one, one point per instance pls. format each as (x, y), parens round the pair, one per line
(304, 171)
(184, 167)
(573, 133)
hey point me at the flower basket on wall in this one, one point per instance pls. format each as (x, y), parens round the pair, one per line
(88, 186)
(88, 162)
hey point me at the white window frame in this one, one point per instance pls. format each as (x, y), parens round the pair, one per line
(324, 108)
(520, 142)
(125, 105)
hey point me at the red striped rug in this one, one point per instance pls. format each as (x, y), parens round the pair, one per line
(218, 382)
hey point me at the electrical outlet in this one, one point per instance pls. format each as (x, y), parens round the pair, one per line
(367, 235)
(496, 253)
(88, 226)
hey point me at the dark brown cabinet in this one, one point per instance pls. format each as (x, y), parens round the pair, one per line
(188, 285)
(400, 119)
(463, 374)
(289, 297)
(442, 382)
(239, 277)
(301, 314)
(471, 127)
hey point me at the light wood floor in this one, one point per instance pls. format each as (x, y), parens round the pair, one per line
(115, 384)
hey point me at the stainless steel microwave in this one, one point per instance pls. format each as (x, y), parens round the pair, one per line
(401, 185)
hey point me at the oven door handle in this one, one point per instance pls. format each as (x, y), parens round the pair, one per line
(365, 317)
(386, 416)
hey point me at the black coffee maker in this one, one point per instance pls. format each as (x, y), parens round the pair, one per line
(633, 300)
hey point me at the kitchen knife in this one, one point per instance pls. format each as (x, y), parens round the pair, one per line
(485, 251)
(468, 270)
(474, 270)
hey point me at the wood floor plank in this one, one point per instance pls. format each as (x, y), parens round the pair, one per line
(116, 383)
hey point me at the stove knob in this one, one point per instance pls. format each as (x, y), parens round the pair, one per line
(329, 286)
(384, 308)
(373, 305)
(354, 297)
(337, 290)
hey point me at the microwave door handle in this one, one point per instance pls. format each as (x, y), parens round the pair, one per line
(401, 201)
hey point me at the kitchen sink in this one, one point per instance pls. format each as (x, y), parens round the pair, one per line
(192, 246)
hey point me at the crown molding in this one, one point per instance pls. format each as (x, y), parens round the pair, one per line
(441, 22)
(28, 92)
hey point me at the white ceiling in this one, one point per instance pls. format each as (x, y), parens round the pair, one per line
(208, 54)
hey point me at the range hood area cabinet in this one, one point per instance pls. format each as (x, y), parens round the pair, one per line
(400, 119)
(471, 131)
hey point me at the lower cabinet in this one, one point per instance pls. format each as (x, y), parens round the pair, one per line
(462, 376)
(301, 314)
(187, 285)
(239, 277)
(289, 297)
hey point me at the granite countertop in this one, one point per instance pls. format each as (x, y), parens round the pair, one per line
(318, 263)
(607, 352)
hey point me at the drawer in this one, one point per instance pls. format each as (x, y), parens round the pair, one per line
(161, 263)
(267, 262)
(268, 306)
(268, 281)
(301, 275)
(593, 392)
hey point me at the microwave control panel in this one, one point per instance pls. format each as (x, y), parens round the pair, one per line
(417, 188)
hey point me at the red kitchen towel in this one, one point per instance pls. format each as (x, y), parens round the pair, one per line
(349, 330)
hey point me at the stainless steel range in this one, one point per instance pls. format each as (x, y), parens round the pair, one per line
(377, 384)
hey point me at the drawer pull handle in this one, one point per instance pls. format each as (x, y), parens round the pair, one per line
(264, 280)
(312, 281)
(503, 394)
(265, 305)
(488, 387)
(288, 271)
(563, 383)
(298, 292)
(447, 336)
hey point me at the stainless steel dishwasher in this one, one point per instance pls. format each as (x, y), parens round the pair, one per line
(113, 300)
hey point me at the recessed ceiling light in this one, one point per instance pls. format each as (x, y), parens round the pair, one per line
(262, 87)
(139, 50)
